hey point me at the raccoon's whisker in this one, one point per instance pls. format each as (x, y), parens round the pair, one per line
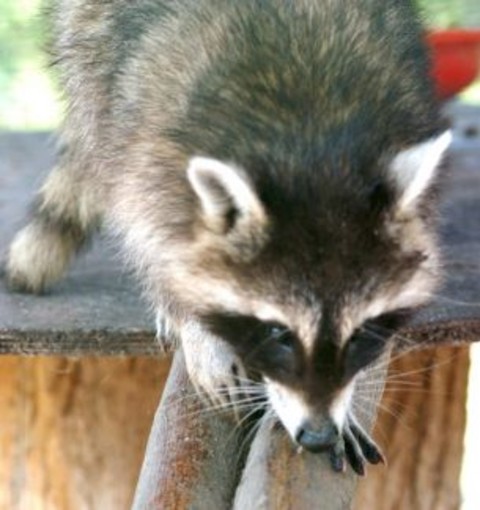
(213, 409)
(410, 382)
(369, 385)
(395, 414)
(209, 407)
(381, 365)
(372, 386)
(396, 388)
(248, 380)
(245, 402)
(256, 408)
(367, 396)
(417, 390)
(198, 395)
(422, 370)
(242, 389)
(398, 372)
(360, 411)
(248, 437)
(370, 399)
(254, 428)
(390, 334)
(391, 375)
(404, 377)
(238, 403)
(205, 406)
(399, 355)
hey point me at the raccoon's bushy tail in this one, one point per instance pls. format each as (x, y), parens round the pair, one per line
(64, 216)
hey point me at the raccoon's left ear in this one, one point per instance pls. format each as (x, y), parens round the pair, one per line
(227, 197)
(413, 169)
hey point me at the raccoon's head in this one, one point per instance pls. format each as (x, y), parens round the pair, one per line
(308, 279)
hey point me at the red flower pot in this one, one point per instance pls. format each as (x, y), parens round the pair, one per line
(455, 59)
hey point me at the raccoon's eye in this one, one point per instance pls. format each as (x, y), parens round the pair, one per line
(368, 341)
(281, 335)
(364, 347)
(265, 347)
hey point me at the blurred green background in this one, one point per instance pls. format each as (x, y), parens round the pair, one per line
(29, 100)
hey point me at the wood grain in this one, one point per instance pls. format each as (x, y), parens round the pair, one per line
(421, 427)
(73, 432)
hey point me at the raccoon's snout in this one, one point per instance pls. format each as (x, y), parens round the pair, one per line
(317, 439)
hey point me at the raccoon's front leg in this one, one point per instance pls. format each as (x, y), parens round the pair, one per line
(64, 215)
(214, 368)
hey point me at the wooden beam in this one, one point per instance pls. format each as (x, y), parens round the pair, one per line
(194, 461)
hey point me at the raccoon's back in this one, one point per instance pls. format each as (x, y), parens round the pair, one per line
(307, 75)
(229, 78)
(226, 78)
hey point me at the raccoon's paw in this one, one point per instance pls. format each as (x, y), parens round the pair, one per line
(165, 334)
(214, 369)
(358, 448)
(36, 260)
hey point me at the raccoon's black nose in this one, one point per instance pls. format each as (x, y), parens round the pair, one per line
(317, 439)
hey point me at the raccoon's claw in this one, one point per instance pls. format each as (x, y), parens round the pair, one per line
(369, 448)
(165, 334)
(337, 457)
(357, 448)
(354, 452)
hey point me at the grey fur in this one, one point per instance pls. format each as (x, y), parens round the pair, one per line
(309, 101)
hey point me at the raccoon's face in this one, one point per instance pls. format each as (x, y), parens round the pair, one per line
(311, 386)
(309, 292)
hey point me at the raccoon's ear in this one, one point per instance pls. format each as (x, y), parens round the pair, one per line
(414, 168)
(227, 197)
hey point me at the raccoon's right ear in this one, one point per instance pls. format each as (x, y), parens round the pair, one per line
(228, 199)
(414, 169)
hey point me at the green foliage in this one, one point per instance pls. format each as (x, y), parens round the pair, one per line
(27, 97)
(451, 13)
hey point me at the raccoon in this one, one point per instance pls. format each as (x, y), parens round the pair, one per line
(270, 170)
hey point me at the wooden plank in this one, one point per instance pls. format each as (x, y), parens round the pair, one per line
(97, 309)
(193, 455)
(73, 431)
